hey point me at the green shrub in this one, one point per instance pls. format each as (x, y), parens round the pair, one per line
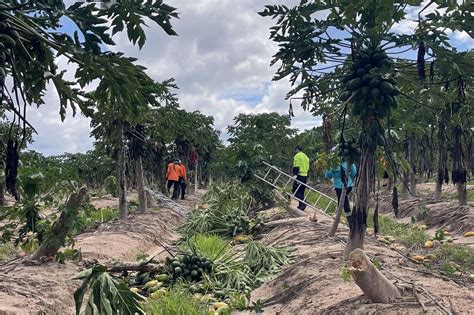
(111, 185)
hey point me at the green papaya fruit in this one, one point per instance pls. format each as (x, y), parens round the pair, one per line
(355, 84)
(396, 91)
(361, 72)
(375, 92)
(386, 88)
(388, 100)
(365, 90)
(374, 82)
(344, 96)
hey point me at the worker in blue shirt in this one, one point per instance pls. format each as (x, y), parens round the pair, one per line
(338, 175)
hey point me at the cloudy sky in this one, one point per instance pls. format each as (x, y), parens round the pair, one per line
(220, 61)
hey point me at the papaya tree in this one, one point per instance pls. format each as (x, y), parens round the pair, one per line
(349, 47)
(32, 38)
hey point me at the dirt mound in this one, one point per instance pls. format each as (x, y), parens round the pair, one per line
(314, 285)
(452, 217)
(47, 289)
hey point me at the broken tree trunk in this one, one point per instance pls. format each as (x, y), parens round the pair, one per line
(337, 218)
(286, 222)
(370, 280)
(61, 227)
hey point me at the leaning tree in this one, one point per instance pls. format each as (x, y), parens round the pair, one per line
(350, 49)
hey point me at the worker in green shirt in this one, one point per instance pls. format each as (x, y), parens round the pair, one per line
(300, 171)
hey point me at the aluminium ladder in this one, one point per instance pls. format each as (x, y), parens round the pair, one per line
(281, 181)
(167, 201)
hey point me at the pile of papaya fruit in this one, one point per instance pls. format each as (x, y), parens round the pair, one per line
(371, 83)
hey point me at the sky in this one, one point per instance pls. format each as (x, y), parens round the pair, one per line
(220, 60)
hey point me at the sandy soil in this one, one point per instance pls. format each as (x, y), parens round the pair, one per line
(313, 284)
(47, 289)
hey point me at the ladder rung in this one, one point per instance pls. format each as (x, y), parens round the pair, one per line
(276, 179)
(317, 200)
(286, 185)
(327, 207)
(268, 172)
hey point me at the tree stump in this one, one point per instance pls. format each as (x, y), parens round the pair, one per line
(370, 280)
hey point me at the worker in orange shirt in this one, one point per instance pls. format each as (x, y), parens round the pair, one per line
(173, 173)
(182, 179)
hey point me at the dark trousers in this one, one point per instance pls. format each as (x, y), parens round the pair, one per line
(347, 208)
(300, 190)
(175, 185)
(183, 188)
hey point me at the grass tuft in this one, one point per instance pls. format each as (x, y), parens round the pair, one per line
(401, 231)
(175, 301)
(207, 245)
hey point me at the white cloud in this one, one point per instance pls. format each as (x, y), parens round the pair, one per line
(220, 61)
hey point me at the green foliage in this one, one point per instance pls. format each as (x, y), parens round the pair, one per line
(345, 274)
(207, 245)
(231, 273)
(111, 185)
(7, 250)
(377, 263)
(460, 254)
(265, 260)
(401, 231)
(226, 213)
(420, 215)
(34, 42)
(176, 301)
(68, 254)
(107, 295)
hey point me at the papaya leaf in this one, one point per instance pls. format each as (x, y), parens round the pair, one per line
(107, 296)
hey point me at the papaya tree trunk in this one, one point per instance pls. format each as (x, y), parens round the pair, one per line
(459, 173)
(411, 158)
(358, 219)
(142, 204)
(371, 281)
(122, 181)
(462, 193)
(337, 218)
(3, 202)
(441, 168)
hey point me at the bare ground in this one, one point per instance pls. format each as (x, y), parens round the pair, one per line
(48, 288)
(313, 284)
